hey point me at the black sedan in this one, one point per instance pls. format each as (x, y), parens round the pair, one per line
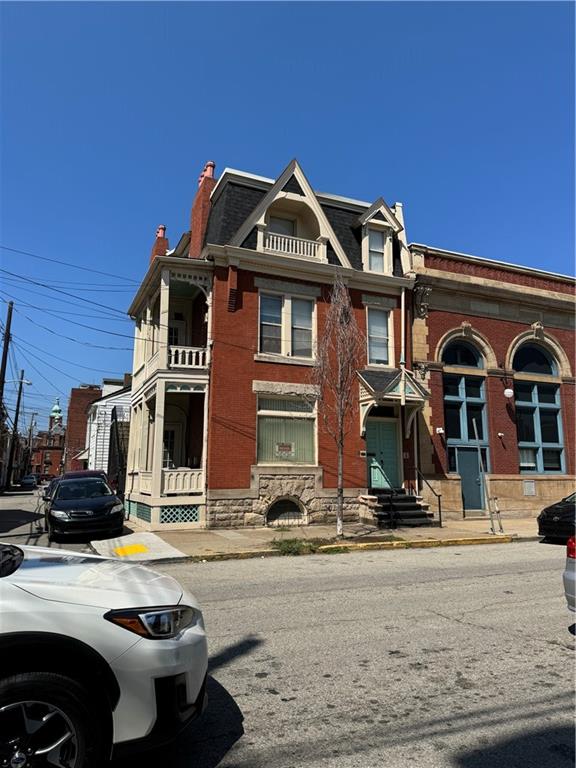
(85, 505)
(559, 520)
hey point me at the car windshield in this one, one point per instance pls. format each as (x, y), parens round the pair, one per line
(69, 490)
(572, 497)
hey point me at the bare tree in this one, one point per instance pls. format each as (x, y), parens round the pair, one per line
(340, 353)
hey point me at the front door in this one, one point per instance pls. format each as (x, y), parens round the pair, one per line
(470, 478)
(382, 454)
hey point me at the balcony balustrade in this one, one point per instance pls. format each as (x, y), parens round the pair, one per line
(187, 357)
(145, 482)
(182, 481)
(294, 246)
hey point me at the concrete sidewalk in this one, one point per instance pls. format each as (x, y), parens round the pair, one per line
(221, 544)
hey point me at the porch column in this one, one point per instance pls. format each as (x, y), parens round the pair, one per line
(145, 333)
(164, 318)
(158, 446)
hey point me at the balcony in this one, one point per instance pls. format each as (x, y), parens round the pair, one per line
(295, 246)
(146, 483)
(188, 357)
(182, 481)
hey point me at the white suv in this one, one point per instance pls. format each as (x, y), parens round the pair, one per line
(97, 657)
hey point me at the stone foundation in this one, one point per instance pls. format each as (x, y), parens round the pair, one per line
(249, 509)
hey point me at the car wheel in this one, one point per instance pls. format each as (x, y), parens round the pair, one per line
(45, 720)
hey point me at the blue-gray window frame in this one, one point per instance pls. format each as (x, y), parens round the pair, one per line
(466, 440)
(537, 407)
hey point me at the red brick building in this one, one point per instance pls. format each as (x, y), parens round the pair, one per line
(48, 445)
(80, 400)
(225, 426)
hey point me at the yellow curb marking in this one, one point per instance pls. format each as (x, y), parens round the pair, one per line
(130, 549)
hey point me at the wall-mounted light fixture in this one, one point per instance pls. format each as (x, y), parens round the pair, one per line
(439, 430)
(508, 393)
(500, 435)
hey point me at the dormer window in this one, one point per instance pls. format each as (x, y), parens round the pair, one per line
(282, 226)
(377, 248)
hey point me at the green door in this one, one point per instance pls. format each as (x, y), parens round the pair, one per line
(382, 454)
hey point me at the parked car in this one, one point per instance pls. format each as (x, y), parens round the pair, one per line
(85, 473)
(28, 483)
(97, 657)
(570, 573)
(559, 520)
(85, 505)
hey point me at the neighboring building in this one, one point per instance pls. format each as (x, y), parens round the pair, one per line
(48, 445)
(497, 342)
(115, 394)
(224, 426)
(75, 454)
(118, 450)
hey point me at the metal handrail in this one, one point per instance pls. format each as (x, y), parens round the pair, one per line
(438, 495)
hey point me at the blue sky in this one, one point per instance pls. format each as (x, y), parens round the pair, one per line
(462, 111)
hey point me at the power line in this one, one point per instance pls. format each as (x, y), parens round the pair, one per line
(59, 391)
(77, 341)
(70, 362)
(64, 293)
(103, 314)
(49, 365)
(107, 289)
(67, 264)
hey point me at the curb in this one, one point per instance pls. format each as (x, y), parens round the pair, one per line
(343, 548)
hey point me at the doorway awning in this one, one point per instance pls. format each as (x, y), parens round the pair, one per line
(394, 386)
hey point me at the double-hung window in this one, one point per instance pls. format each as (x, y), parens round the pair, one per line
(376, 244)
(286, 325)
(286, 431)
(378, 336)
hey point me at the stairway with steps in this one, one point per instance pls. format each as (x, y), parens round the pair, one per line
(397, 508)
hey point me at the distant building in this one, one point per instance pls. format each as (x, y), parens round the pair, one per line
(81, 398)
(115, 394)
(48, 445)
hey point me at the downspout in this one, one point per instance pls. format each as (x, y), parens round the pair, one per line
(403, 366)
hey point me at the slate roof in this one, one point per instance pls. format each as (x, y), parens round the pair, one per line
(237, 201)
(380, 380)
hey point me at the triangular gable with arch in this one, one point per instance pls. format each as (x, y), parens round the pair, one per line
(276, 192)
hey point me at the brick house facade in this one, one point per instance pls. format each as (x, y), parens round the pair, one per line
(80, 400)
(225, 428)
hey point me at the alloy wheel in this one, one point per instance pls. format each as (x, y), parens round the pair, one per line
(36, 734)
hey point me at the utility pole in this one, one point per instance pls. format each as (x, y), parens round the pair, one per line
(14, 432)
(30, 435)
(5, 350)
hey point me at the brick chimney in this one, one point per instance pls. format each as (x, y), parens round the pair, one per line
(160, 244)
(201, 209)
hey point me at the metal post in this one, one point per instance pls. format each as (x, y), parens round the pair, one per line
(5, 350)
(14, 433)
(483, 473)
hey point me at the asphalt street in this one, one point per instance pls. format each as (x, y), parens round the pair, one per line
(454, 657)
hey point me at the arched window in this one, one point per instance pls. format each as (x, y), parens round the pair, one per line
(532, 359)
(538, 423)
(462, 353)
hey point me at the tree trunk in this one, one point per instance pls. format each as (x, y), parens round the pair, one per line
(340, 497)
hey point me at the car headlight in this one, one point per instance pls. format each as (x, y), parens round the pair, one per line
(154, 623)
(60, 514)
(117, 508)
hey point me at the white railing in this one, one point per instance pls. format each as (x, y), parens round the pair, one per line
(187, 357)
(182, 481)
(146, 482)
(295, 246)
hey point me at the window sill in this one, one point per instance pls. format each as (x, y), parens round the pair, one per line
(261, 357)
(380, 367)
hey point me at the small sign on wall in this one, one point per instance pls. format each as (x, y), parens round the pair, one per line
(529, 488)
(284, 450)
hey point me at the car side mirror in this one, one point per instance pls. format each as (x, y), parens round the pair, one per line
(45, 497)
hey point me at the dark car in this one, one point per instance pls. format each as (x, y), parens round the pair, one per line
(559, 520)
(83, 505)
(84, 473)
(28, 483)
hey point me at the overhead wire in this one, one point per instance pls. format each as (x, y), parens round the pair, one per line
(67, 264)
(59, 290)
(103, 314)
